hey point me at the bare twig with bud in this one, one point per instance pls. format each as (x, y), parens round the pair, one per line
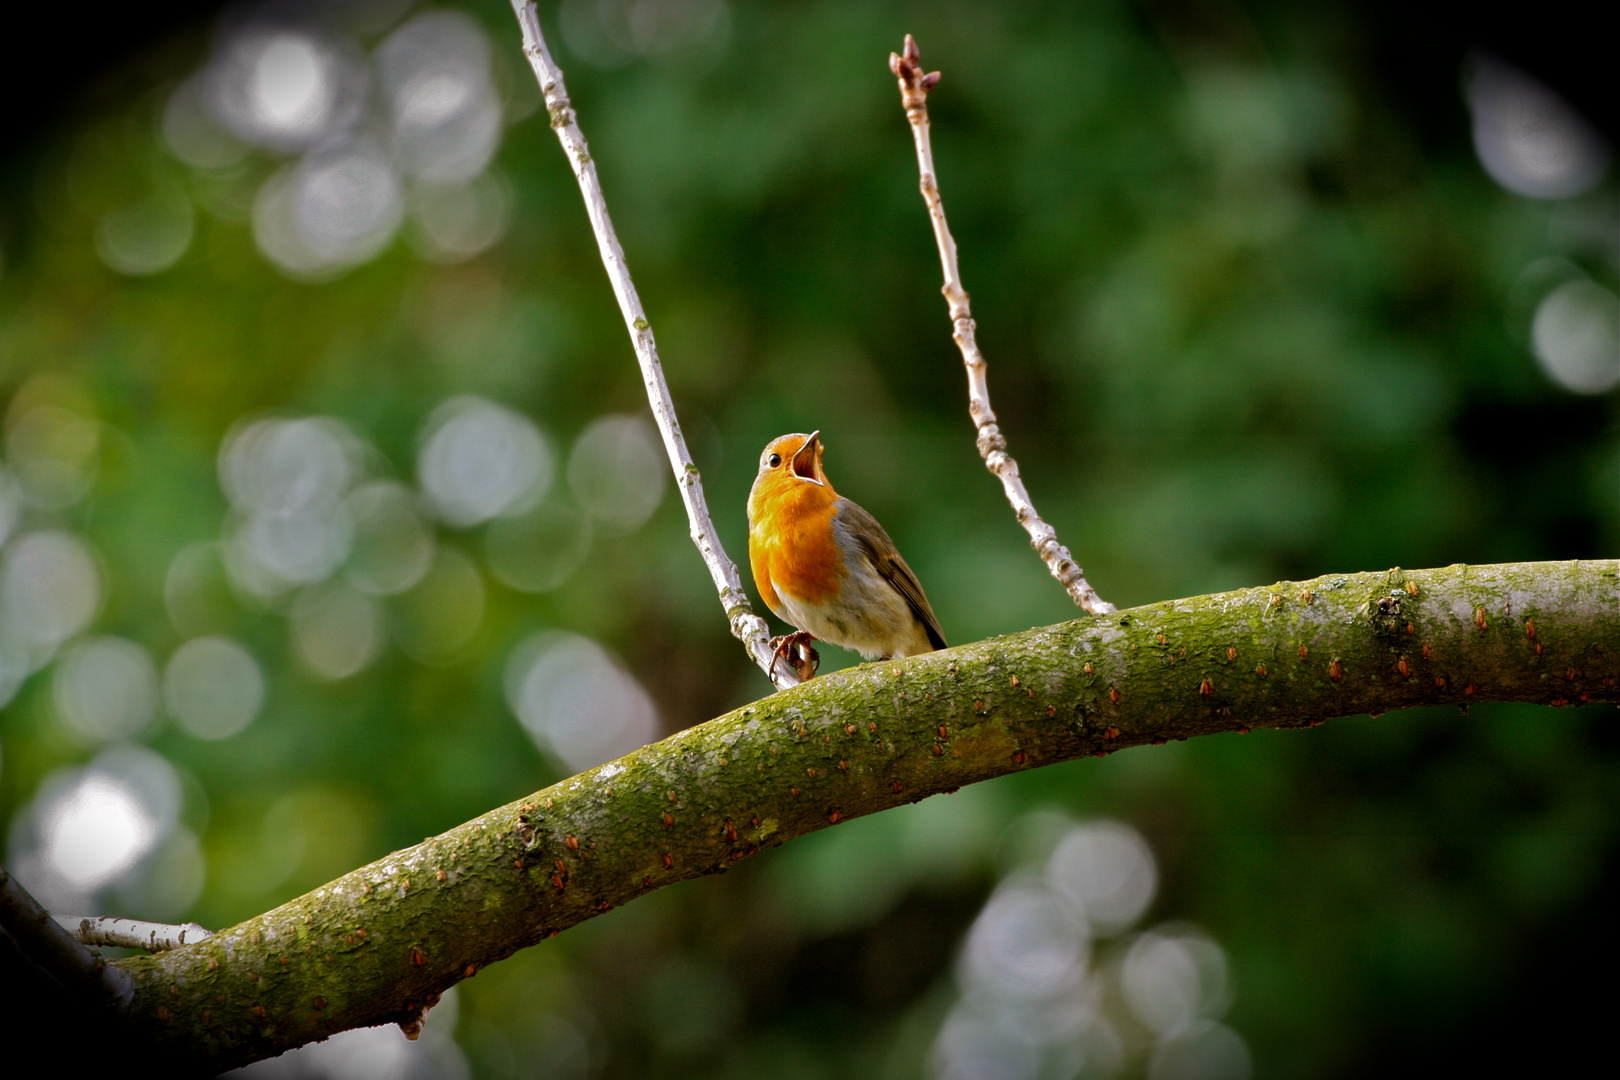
(748, 627)
(914, 88)
(131, 933)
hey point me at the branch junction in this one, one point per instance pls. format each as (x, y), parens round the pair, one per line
(379, 944)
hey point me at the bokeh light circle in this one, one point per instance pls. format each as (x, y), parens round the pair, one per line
(283, 86)
(1025, 944)
(331, 211)
(576, 701)
(50, 588)
(1575, 336)
(106, 688)
(445, 114)
(617, 471)
(336, 629)
(1107, 871)
(213, 687)
(481, 460)
(1528, 138)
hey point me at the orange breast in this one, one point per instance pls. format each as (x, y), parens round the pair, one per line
(791, 544)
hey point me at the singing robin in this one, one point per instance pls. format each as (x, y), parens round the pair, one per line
(826, 566)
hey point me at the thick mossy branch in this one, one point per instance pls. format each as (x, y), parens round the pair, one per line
(372, 946)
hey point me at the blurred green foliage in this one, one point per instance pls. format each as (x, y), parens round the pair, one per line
(1243, 324)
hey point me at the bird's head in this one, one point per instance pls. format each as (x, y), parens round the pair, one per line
(788, 462)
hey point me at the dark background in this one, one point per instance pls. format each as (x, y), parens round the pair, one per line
(1218, 366)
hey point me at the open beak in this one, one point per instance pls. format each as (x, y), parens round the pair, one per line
(804, 459)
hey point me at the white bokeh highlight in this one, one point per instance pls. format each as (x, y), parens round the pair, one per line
(97, 831)
(286, 479)
(480, 460)
(106, 689)
(1575, 336)
(1172, 976)
(1034, 1003)
(50, 589)
(1528, 138)
(331, 211)
(337, 631)
(444, 113)
(577, 702)
(617, 471)
(1106, 872)
(283, 87)
(361, 139)
(213, 687)
(89, 828)
(1025, 944)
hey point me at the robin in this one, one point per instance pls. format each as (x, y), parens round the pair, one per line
(826, 567)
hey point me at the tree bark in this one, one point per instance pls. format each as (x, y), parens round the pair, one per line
(375, 945)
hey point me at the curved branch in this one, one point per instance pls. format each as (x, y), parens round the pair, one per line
(746, 626)
(375, 946)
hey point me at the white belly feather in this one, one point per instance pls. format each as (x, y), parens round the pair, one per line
(867, 615)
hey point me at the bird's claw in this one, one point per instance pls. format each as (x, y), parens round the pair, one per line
(797, 650)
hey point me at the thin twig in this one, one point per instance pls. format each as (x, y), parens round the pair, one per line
(130, 933)
(57, 951)
(914, 87)
(749, 628)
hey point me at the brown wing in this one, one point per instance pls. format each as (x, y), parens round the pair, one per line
(886, 561)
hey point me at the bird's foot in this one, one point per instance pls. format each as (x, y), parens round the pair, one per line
(797, 650)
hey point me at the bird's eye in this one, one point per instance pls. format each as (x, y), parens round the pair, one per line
(775, 460)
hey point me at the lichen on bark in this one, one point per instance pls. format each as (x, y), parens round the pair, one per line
(375, 945)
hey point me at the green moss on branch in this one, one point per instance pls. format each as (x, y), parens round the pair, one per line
(374, 945)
